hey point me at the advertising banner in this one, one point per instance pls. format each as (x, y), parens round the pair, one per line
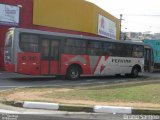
(9, 15)
(106, 27)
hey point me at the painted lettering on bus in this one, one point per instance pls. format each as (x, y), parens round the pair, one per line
(120, 61)
(29, 58)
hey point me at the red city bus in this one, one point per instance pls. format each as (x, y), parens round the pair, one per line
(36, 52)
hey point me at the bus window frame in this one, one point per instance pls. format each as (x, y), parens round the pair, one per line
(65, 51)
(38, 40)
(100, 51)
(50, 39)
(137, 51)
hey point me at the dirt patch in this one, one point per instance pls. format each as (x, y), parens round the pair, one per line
(63, 90)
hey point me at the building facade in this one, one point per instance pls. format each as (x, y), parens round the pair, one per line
(71, 16)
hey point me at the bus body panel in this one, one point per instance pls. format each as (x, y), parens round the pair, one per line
(44, 67)
(100, 65)
(29, 63)
(9, 67)
(49, 67)
(105, 66)
(54, 68)
(81, 60)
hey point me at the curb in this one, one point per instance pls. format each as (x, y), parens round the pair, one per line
(83, 108)
(41, 105)
(112, 109)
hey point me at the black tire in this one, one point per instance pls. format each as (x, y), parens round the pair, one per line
(73, 73)
(135, 72)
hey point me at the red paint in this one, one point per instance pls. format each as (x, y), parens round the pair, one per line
(54, 68)
(26, 21)
(95, 67)
(103, 66)
(44, 67)
(2, 37)
(65, 63)
(9, 67)
(49, 67)
(29, 63)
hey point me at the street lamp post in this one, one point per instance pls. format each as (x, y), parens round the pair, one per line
(120, 26)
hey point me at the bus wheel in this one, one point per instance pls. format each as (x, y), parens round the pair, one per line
(73, 72)
(135, 72)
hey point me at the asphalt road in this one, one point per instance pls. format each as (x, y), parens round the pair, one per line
(64, 117)
(12, 80)
(15, 113)
(33, 114)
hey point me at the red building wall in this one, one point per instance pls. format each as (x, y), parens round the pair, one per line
(26, 21)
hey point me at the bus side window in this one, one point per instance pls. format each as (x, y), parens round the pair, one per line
(110, 48)
(95, 48)
(124, 50)
(28, 42)
(106, 49)
(138, 51)
(54, 50)
(45, 48)
(74, 46)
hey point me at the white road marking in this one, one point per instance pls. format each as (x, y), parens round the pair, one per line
(8, 111)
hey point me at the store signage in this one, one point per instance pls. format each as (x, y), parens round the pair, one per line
(9, 15)
(106, 27)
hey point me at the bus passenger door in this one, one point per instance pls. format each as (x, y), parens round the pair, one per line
(148, 62)
(49, 56)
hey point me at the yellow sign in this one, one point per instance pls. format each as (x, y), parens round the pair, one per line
(77, 15)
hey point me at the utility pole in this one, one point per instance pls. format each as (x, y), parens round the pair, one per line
(120, 26)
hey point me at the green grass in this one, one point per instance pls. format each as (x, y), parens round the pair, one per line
(144, 93)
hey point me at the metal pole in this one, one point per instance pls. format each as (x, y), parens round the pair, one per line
(120, 26)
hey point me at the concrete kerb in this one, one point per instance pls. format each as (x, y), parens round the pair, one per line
(83, 108)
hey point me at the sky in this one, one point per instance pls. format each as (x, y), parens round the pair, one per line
(138, 15)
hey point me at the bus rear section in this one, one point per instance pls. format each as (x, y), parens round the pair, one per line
(9, 51)
(31, 53)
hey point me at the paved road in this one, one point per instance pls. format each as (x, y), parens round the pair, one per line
(12, 113)
(61, 116)
(37, 114)
(66, 117)
(10, 80)
(32, 114)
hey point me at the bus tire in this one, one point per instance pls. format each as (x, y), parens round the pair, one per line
(135, 72)
(73, 72)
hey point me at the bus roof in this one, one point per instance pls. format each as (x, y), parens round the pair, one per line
(58, 34)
